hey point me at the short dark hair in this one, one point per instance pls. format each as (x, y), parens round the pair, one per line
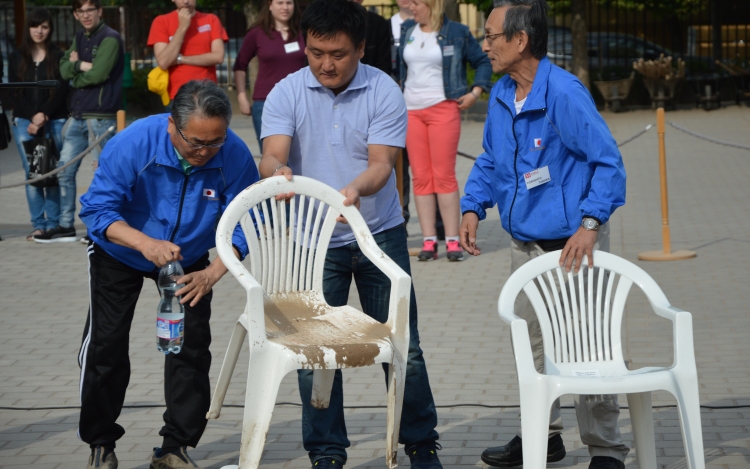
(202, 98)
(327, 18)
(529, 16)
(78, 4)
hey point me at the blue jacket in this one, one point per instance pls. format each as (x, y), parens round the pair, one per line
(465, 49)
(140, 180)
(587, 176)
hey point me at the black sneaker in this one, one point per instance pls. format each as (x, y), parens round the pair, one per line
(327, 462)
(429, 251)
(424, 456)
(102, 458)
(606, 462)
(511, 455)
(57, 234)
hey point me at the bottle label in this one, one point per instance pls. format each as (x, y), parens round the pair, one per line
(169, 328)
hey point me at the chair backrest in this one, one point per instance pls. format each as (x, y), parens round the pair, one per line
(580, 315)
(287, 250)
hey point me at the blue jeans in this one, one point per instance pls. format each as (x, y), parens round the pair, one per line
(44, 202)
(77, 135)
(324, 430)
(257, 109)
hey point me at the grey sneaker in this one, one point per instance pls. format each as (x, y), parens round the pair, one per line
(179, 460)
(101, 460)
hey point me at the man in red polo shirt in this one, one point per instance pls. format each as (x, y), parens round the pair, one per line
(187, 43)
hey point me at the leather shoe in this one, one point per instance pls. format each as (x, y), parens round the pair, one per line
(606, 462)
(511, 455)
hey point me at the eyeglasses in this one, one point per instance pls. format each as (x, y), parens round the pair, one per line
(200, 146)
(86, 12)
(490, 38)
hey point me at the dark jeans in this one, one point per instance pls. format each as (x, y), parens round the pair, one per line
(257, 108)
(324, 431)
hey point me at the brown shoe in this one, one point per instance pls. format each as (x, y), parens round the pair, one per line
(179, 460)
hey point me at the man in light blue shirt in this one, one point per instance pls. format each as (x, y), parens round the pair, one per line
(342, 123)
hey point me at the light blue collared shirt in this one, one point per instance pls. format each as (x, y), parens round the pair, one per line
(330, 135)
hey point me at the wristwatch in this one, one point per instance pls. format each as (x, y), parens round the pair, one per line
(590, 224)
(179, 59)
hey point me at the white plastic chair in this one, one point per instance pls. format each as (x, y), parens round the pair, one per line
(288, 322)
(583, 351)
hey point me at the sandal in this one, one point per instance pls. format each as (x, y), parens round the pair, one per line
(31, 235)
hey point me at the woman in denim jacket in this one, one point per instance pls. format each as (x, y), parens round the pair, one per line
(433, 54)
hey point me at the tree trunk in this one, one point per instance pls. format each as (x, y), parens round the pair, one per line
(451, 10)
(580, 63)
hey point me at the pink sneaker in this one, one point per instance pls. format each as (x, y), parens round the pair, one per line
(454, 251)
(429, 251)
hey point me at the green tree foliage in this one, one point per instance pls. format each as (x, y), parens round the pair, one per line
(659, 7)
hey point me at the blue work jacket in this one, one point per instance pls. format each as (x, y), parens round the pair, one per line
(465, 49)
(560, 129)
(140, 180)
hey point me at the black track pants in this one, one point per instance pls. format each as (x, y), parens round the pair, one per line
(105, 366)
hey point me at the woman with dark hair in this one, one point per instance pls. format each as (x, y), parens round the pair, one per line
(277, 41)
(37, 111)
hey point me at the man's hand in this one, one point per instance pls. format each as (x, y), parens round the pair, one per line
(582, 242)
(285, 171)
(352, 198)
(197, 285)
(160, 252)
(32, 129)
(184, 16)
(74, 56)
(467, 233)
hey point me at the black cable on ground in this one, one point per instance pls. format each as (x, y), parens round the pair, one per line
(297, 404)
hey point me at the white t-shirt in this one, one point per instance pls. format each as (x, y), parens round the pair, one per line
(519, 105)
(424, 77)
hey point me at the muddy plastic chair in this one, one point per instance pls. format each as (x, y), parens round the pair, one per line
(287, 321)
(581, 324)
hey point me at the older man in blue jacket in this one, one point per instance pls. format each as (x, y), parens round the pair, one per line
(554, 171)
(161, 186)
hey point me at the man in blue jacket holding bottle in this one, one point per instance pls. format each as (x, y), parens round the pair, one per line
(161, 186)
(553, 169)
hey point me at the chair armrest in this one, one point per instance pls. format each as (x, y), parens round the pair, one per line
(667, 311)
(398, 317)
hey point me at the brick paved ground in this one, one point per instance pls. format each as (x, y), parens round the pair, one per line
(43, 306)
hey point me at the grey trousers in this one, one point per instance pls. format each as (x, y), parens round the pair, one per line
(597, 414)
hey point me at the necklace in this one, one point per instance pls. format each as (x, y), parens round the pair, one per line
(424, 37)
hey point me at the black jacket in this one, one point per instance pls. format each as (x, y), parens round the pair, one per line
(27, 102)
(378, 43)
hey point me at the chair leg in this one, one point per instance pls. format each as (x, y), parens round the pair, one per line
(321, 388)
(688, 404)
(396, 381)
(265, 372)
(225, 375)
(642, 421)
(535, 410)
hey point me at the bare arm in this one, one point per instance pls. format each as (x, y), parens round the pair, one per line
(166, 53)
(380, 162)
(215, 57)
(239, 80)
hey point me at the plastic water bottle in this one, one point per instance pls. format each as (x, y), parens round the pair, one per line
(170, 315)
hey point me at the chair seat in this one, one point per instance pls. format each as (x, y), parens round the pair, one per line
(303, 324)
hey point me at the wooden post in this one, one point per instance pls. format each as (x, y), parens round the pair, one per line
(19, 15)
(666, 253)
(120, 121)
(400, 176)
